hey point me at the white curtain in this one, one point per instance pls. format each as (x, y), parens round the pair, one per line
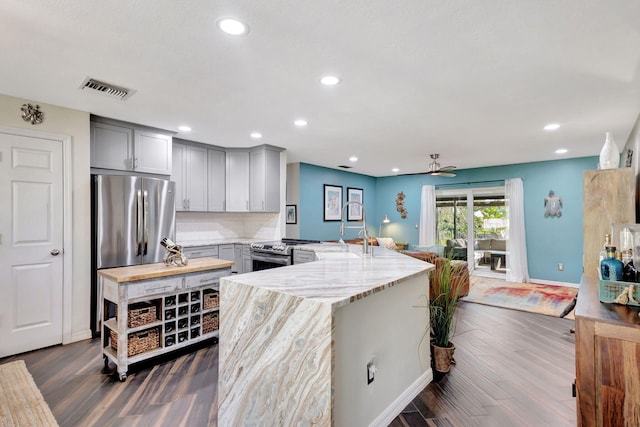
(428, 216)
(517, 268)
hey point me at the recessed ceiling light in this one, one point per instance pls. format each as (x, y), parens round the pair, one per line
(552, 126)
(232, 26)
(353, 159)
(561, 151)
(184, 129)
(330, 80)
(256, 135)
(300, 123)
(395, 170)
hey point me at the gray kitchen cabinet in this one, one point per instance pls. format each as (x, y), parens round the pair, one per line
(127, 147)
(264, 178)
(239, 265)
(247, 263)
(152, 152)
(237, 180)
(201, 252)
(228, 253)
(216, 180)
(190, 176)
(111, 147)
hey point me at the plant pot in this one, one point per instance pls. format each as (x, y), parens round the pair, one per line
(442, 357)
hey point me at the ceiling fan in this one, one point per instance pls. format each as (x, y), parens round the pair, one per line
(435, 169)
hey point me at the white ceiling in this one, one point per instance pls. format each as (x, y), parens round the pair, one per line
(475, 81)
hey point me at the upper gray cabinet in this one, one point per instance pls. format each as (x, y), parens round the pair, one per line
(122, 146)
(190, 176)
(264, 178)
(237, 185)
(216, 180)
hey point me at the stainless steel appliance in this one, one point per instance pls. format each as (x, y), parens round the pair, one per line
(131, 216)
(265, 255)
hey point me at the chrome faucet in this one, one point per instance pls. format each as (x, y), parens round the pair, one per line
(365, 235)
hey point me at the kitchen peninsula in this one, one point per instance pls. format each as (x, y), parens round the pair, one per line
(338, 341)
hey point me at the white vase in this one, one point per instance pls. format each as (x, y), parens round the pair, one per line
(610, 154)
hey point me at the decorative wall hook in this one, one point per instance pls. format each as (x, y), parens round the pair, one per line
(32, 114)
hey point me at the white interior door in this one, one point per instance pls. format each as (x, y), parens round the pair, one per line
(31, 237)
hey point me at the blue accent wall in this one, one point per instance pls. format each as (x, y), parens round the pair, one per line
(311, 210)
(550, 240)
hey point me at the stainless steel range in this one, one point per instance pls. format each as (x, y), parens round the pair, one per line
(265, 255)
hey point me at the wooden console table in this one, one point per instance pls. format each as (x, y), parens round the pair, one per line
(607, 360)
(181, 306)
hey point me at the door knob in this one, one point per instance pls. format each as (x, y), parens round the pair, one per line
(55, 252)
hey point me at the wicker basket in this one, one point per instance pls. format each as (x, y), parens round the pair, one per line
(209, 322)
(211, 300)
(141, 313)
(608, 290)
(138, 342)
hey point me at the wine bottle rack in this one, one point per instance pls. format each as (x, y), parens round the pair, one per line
(187, 312)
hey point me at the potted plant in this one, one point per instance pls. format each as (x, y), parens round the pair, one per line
(442, 306)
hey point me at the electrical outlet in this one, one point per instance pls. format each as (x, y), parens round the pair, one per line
(560, 266)
(371, 371)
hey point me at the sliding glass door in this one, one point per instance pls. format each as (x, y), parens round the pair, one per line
(472, 225)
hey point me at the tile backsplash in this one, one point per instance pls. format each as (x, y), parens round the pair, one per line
(203, 226)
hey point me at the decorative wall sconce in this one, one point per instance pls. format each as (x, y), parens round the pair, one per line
(32, 114)
(386, 220)
(400, 205)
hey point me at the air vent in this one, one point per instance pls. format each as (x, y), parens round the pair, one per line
(345, 166)
(107, 89)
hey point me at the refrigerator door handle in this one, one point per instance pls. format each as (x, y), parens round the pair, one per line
(145, 198)
(139, 223)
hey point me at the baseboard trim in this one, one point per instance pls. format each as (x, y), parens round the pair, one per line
(401, 402)
(551, 282)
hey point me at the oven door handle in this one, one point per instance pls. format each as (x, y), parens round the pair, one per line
(273, 259)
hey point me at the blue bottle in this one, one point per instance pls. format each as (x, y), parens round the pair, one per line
(611, 267)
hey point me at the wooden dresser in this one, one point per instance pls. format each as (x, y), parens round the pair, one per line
(607, 360)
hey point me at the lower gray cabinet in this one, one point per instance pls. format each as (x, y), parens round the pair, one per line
(201, 252)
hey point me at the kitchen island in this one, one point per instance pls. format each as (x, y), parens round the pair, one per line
(338, 341)
(158, 308)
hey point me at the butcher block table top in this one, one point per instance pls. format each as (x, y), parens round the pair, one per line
(152, 271)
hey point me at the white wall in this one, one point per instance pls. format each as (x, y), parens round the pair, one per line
(293, 198)
(390, 327)
(75, 123)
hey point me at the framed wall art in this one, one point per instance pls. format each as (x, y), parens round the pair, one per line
(292, 214)
(332, 202)
(354, 212)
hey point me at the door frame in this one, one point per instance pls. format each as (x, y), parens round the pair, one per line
(67, 221)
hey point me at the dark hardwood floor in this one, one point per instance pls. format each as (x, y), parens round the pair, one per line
(513, 369)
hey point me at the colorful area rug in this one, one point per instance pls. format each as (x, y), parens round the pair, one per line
(533, 297)
(21, 403)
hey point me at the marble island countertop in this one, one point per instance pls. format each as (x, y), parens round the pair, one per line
(341, 275)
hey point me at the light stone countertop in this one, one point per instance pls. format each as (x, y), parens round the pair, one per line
(211, 242)
(340, 276)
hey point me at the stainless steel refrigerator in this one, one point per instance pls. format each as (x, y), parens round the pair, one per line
(131, 215)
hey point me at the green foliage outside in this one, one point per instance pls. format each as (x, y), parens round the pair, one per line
(447, 229)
